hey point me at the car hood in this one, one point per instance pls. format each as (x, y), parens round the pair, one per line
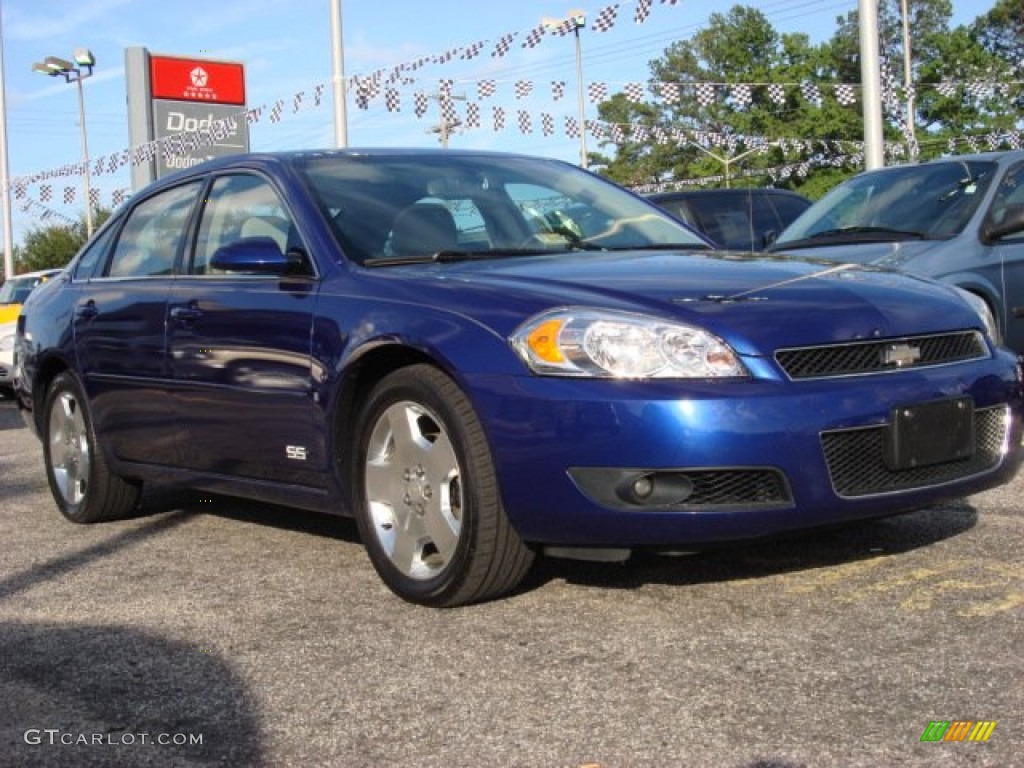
(892, 254)
(756, 302)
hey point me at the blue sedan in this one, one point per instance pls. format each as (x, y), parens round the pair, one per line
(485, 357)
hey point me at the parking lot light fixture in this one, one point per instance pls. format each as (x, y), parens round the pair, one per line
(75, 72)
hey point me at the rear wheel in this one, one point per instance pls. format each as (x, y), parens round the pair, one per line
(85, 490)
(427, 498)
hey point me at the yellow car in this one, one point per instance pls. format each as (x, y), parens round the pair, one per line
(12, 295)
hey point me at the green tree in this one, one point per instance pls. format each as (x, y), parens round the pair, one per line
(53, 246)
(727, 136)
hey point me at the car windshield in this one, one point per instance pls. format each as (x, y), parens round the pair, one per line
(927, 201)
(388, 209)
(16, 291)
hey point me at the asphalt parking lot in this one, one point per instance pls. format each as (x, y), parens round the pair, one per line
(216, 632)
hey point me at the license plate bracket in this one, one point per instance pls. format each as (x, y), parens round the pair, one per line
(930, 433)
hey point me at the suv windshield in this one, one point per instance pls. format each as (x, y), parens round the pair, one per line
(927, 201)
(388, 209)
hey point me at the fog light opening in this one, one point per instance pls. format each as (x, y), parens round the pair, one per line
(656, 489)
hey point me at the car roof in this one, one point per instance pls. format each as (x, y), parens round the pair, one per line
(37, 274)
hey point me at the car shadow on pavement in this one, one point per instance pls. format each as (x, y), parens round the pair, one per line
(9, 416)
(802, 551)
(79, 694)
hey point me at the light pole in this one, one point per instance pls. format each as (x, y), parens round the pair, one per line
(75, 73)
(576, 20)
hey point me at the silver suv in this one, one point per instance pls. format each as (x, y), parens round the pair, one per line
(957, 219)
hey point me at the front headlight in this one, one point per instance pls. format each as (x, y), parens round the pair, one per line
(6, 342)
(607, 344)
(988, 320)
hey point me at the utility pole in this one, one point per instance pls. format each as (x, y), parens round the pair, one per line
(871, 79)
(5, 181)
(338, 76)
(448, 121)
(908, 87)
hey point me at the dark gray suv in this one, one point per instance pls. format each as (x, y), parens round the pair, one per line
(735, 219)
(957, 219)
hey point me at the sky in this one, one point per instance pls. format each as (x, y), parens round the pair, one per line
(286, 50)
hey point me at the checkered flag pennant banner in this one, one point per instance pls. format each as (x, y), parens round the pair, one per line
(811, 93)
(525, 125)
(547, 124)
(69, 195)
(643, 10)
(392, 100)
(534, 37)
(523, 88)
(669, 2)
(499, 119)
(20, 192)
(94, 198)
(741, 95)
(634, 92)
(504, 45)
(118, 197)
(472, 115)
(669, 92)
(845, 94)
(558, 90)
(565, 27)
(276, 110)
(448, 110)
(640, 133)
(705, 94)
(979, 89)
(617, 134)
(485, 89)
(777, 93)
(947, 89)
(572, 127)
(597, 130)
(597, 92)
(472, 51)
(444, 87)
(605, 18)
(297, 101)
(419, 103)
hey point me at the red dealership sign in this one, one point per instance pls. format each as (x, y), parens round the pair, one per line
(214, 82)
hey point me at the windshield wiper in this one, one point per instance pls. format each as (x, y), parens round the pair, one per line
(852, 235)
(663, 247)
(447, 257)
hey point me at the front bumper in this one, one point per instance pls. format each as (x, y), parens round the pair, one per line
(735, 459)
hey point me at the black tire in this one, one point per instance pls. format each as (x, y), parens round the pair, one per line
(85, 489)
(426, 495)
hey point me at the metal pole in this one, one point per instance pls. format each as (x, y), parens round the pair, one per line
(5, 182)
(338, 76)
(871, 78)
(579, 97)
(86, 181)
(908, 89)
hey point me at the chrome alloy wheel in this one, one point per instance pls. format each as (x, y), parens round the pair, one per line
(414, 490)
(70, 457)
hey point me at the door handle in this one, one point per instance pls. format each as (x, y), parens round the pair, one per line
(87, 311)
(186, 314)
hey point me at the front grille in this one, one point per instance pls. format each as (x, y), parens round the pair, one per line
(876, 356)
(736, 487)
(857, 466)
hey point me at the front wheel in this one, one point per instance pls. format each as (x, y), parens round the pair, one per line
(85, 490)
(427, 499)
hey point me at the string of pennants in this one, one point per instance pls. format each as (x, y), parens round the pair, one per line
(475, 114)
(737, 95)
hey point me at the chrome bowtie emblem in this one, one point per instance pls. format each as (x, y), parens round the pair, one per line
(901, 355)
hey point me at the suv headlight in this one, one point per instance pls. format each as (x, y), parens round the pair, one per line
(602, 343)
(6, 342)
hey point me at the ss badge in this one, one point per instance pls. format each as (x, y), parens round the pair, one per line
(295, 452)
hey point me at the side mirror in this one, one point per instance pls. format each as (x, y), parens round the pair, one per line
(1012, 223)
(259, 255)
(769, 237)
